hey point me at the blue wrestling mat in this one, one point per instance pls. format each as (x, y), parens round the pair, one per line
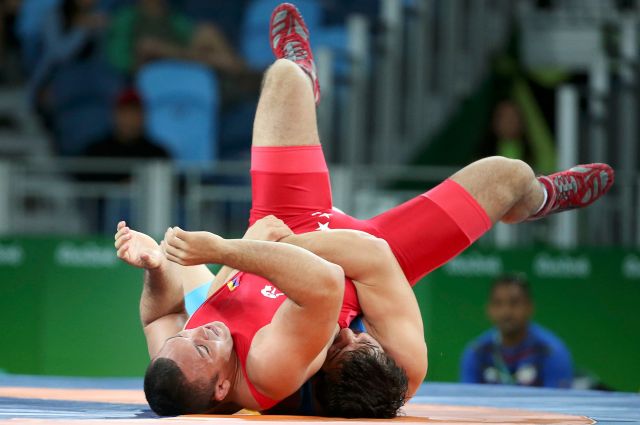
(24, 399)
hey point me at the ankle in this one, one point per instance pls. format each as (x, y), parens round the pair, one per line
(549, 194)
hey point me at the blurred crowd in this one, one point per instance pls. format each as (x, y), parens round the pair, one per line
(80, 62)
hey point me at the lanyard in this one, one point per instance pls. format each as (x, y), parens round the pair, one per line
(504, 375)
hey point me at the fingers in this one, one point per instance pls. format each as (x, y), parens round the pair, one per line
(181, 234)
(122, 238)
(276, 222)
(120, 241)
(121, 231)
(171, 238)
(175, 259)
(282, 233)
(175, 255)
(123, 251)
(272, 219)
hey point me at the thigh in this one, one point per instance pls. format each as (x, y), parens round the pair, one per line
(288, 182)
(431, 229)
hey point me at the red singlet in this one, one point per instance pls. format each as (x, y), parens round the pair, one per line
(292, 183)
(246, 304)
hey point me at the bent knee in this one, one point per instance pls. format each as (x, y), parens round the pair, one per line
(512, 173)
(282, 68)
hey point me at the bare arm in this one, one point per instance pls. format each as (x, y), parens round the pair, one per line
(162, 309)
(165, 283)
(284, 353)
(161, 303)
(389, 305)
(269, 229)
(356, 252)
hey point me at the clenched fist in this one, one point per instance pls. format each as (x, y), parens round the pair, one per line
(191, 248)
(269, 229)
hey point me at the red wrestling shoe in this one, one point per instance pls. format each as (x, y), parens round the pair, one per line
(290, 40)
(577, 187)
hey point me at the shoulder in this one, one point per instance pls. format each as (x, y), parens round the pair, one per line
(544, 336)
(481, 343)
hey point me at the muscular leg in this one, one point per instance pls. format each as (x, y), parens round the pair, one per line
(286, 114)
(506, 189)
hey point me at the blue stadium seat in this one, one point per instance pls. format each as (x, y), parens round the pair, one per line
(82, 97)
(255, 41)
(182, 101)
(28, 28)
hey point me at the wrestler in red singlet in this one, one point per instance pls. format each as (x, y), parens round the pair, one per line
(292, 183)
(246, 304)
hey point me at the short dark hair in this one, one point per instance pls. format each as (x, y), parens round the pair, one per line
(368, 384)
(512, 279)
(169, 393)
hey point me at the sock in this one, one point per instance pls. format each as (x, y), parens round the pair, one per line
(544, 200)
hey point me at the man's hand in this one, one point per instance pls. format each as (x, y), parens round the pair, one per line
(191, 248)
(137, 249)
(269, 229)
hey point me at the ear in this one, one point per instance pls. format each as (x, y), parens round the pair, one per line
(222, 389)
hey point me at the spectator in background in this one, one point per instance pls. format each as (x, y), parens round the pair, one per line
(151, 30)
(73, 32)
(237, 82)
(516, 351)
(9, 43)
(147, 31)
(128, 139)
(508, 129)
(522, 120)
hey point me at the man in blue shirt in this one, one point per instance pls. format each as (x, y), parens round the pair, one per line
(516, 351)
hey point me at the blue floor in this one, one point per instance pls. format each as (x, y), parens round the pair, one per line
(606, 408)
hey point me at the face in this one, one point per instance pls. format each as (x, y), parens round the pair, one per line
(509, 309)
(129, 122)
(507, 122)
(201, 353)
(347, 341)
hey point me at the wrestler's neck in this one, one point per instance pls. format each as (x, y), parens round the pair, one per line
(239, 395)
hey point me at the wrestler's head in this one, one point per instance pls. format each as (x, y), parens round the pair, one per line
(192, 372)
(359, 380)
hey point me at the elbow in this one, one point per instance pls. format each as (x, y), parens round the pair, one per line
(378, 246)
(416, 378)
(418, 372)
(335, 279)
(332, 284)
